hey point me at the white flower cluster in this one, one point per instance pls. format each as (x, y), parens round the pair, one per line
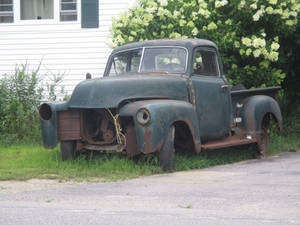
(212, 26)
(202, 13)
(258, 14)
(221, 3)
(288, 10)
(257, 46)
(163, 2)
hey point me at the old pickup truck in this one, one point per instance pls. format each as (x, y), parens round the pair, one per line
(160, 96)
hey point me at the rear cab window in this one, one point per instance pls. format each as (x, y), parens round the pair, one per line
(205, 62)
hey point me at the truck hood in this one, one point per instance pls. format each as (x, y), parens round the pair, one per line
(109, 92)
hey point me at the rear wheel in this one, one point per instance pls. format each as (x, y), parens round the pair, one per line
(166, 154)
(263, 144)
(67, 149)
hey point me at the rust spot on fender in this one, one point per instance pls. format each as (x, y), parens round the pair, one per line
(131, 142)
(132, 108)
(149, 148)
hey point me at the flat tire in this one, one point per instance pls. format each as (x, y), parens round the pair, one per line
(166, 154)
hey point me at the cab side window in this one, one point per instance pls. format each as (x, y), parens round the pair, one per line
(205, 63)
(125, 63)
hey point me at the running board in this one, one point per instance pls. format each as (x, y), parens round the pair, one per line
(229, 142)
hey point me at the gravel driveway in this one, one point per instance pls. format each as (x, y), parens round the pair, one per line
(250, 192)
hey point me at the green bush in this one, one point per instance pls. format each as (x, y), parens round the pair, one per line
(20, 96)
(253, 35)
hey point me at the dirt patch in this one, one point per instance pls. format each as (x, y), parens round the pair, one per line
(33, 184)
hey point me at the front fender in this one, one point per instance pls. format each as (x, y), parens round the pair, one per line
(164, 113)
(48, 120)
(253, 111)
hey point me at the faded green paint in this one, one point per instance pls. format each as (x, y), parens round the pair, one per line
(214, 110)
(202, 101)
(163, 114)
(253, 111)
(49, 127)
(109, 92)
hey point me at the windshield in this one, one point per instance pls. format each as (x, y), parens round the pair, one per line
(155, 59)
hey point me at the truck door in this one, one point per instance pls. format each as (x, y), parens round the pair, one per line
(212, 95)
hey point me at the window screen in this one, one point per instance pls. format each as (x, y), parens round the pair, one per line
(68, 10)
(36, 9)
(6, 11)
(205, 63)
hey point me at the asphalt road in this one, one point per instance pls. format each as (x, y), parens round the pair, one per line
(252, 192)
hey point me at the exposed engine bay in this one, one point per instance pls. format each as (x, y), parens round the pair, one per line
(98, 127)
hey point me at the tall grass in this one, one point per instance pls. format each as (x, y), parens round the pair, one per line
(20, 95)
(24, 162)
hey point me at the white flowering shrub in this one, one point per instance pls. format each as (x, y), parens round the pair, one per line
(249, 33)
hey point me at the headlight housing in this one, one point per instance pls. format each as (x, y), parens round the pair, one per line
(143, 116)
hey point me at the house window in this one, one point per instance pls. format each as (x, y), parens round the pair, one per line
(85, 12)
(6, 11)
(36, 9)
(68, 10)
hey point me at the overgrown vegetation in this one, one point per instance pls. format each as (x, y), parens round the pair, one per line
(20, 96)
(24, 162)
(259, 40)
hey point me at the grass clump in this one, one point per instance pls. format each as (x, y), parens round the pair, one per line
(24, 162)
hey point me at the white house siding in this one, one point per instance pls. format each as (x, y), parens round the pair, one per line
(62, 47)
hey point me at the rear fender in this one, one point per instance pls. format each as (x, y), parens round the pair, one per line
(164, 113)
(255, 109)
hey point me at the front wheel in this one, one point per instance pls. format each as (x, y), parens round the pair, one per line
(67, 149)
(166, 154)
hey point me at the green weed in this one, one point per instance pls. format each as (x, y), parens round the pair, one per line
(23, 162)
(20, 96)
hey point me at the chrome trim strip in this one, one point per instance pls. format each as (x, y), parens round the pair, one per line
(142, 56)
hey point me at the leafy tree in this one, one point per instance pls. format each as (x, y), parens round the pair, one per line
(253, 35)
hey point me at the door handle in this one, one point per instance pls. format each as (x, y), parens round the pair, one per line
(224, 87)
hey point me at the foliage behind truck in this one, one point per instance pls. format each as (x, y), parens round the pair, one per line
(160, 96)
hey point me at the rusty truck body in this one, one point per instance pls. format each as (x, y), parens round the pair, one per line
(160, 96)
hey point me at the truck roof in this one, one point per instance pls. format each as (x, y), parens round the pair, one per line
(187, 43)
